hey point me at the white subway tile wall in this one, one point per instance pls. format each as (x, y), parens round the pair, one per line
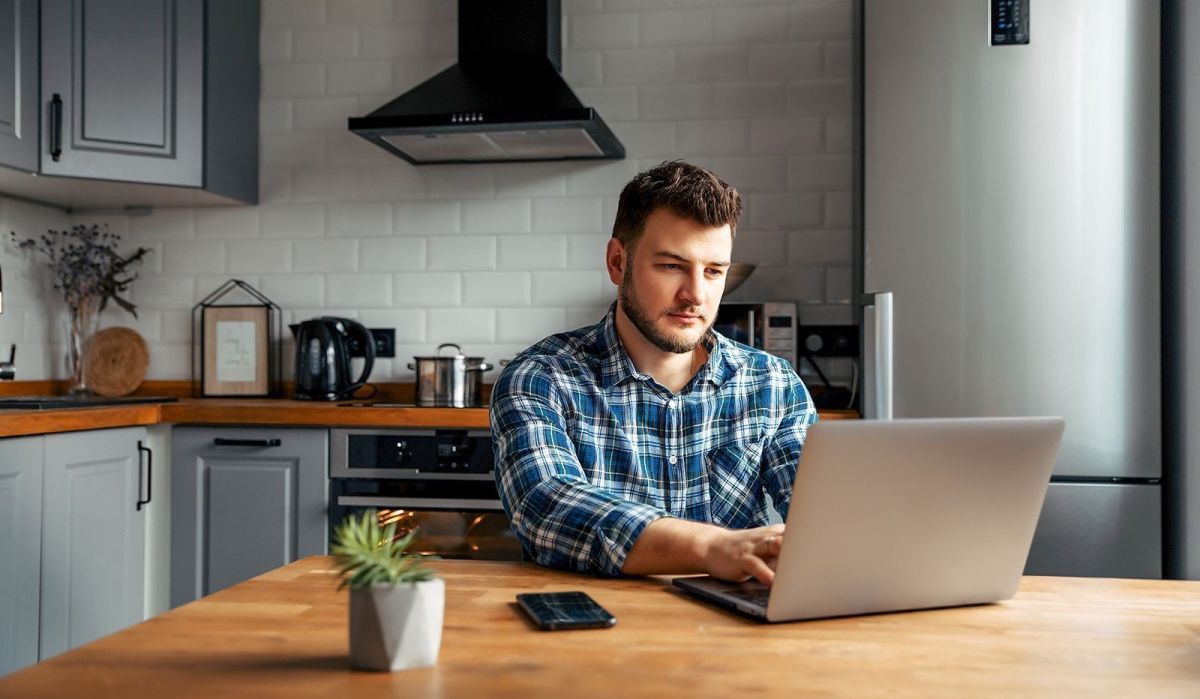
(34, 316)
(494, 257)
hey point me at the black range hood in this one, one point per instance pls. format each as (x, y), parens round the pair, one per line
(504, 101)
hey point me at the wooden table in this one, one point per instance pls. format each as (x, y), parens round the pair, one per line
(283, 634)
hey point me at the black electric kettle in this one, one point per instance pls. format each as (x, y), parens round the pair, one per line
(323, 357)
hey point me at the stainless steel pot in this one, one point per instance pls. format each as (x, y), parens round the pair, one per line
(449, 381)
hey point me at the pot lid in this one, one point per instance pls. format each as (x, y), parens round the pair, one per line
(458, 355)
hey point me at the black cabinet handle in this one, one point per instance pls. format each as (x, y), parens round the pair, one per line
(55, 127)
(222, 442)
(149, 475)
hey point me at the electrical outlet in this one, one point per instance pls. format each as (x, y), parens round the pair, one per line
(828, 340)
(385, 343)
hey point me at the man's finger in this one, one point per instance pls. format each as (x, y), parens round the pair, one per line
(759, 570)
(769, 547)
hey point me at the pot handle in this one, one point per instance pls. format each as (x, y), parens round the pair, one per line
(412, 367)
(448, 344)
(483, 366)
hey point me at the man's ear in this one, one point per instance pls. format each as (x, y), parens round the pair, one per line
(616, 259)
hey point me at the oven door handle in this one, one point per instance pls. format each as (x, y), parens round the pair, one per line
(420, 503)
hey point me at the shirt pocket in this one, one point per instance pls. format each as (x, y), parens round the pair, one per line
(735, 459)
(732, 472)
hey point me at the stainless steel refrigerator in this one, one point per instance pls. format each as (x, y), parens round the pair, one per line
(1181, 286)
(1009, 247)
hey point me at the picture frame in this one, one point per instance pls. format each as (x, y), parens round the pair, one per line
(235, 351)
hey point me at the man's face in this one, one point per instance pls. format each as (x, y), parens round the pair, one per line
(671, 282)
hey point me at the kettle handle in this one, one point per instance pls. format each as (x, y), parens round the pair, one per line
(368, 340)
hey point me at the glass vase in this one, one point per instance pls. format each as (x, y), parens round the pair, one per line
(81, 323)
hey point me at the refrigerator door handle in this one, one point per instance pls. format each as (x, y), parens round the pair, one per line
(877, 356)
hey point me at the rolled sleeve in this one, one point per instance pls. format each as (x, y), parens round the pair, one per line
(561, 519)
(782, 452)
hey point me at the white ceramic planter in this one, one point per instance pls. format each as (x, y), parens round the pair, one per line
(397, 627)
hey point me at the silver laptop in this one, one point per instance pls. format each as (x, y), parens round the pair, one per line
(903, 514)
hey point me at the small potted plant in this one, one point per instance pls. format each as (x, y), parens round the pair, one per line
(396, 604)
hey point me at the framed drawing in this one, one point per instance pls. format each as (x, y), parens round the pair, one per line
(240, 351)
(234, 350)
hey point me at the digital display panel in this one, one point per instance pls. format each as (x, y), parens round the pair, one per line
(1010, 22)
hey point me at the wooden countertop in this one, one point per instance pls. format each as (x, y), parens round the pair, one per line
(217, 411)
(230, 411)
(284, 634)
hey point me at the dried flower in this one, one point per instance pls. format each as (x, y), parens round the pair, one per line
(86, 265)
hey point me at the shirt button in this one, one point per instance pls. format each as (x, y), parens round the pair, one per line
(670, 402)
(672, 459)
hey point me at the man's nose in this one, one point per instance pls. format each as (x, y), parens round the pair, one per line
(692, 292)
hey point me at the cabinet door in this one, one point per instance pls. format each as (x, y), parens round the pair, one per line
(20, 550)
(122, 90)
(243, 501)
(19, 84)
(93, 536)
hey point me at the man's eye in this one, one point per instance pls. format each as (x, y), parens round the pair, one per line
(670, 266)
(713, 272)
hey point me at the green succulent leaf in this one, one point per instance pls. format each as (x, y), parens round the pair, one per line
(369, 554)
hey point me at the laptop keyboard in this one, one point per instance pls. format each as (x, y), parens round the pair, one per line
(754, 595)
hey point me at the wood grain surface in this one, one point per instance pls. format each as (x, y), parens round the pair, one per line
(115, 361)
(284, 634)
(18, 423)
(236, 411)
(240, 411)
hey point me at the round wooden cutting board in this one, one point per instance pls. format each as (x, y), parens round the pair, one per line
(115, 361)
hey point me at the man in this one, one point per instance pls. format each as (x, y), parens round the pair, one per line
(644, 444)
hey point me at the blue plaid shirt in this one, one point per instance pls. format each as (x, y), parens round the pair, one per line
(589, 450)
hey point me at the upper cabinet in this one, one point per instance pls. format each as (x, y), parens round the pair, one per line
(122, 87)
(134, 93)
(19, 84)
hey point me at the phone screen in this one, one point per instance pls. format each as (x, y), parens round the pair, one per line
(565, 610)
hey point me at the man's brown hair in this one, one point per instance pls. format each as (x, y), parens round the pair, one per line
(684, 189)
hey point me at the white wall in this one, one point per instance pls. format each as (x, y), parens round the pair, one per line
(34, 317)
(497, 256)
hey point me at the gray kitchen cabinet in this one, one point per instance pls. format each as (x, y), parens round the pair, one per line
(122, 90)
(19, 86)
(244, 501)
(155, 92)
(20, 550)
(93, 535)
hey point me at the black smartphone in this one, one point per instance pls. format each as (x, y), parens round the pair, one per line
(552, 611)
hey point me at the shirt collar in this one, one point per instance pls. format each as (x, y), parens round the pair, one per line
(617, 367)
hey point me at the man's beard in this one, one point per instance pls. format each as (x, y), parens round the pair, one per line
(645, 325)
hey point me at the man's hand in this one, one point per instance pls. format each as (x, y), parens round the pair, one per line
(673, 546)
(738, 554)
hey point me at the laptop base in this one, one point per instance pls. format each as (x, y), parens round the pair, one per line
(733, 596)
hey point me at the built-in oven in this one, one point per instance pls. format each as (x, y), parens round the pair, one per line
(439, 482)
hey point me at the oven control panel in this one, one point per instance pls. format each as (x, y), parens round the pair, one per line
(409, 453)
